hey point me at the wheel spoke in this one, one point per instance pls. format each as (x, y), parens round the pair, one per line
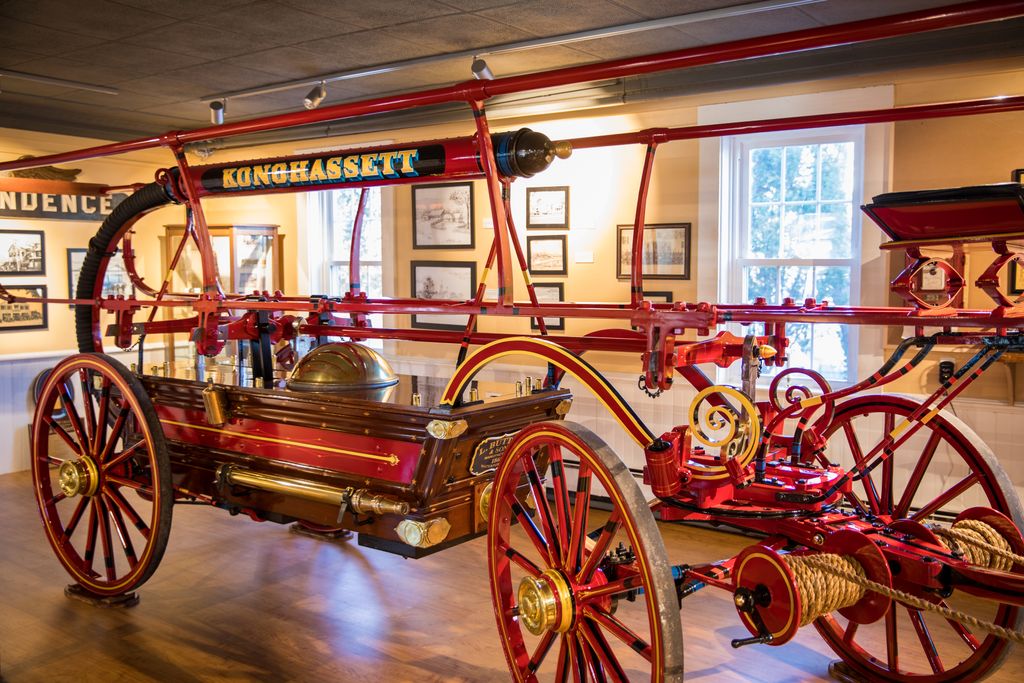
(564, 663)
(851, 631)
(604, 540)
(892, 646)
(562, 506)
(619, 630)
(99, 446)
(90, 541)
(593, 663)
(138, 486)
(599, 644)
(965, 633)
(528, 526)
(858, 459)
(939, 501)
(581, 517)
(122, 534)
(554, 552)
(885, 503)
(111, 444)
(579, 663)
(91, 426)
(622, 585)
(75, 518)
(76, 422)
(543, 647)
(57, 498)
(914, 483)
(521, 560)
(62, 433)
(122, 456)
(927, 644)
(108, 544)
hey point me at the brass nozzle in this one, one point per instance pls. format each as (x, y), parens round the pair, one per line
(563, 149)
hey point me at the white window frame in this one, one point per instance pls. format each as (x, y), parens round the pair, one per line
(735, 227)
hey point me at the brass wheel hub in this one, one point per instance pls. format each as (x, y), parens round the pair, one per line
(545, 603)
(78, 477)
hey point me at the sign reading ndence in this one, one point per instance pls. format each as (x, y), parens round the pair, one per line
(67, 207)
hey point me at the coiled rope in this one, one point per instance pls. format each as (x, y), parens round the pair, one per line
(827, 582)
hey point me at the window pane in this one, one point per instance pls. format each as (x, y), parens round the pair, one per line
(800, 346)
(800, 235)
(760, 281)
(764, 231)
(766, 174)
(797, 282)
(835, 231)
(837, 171)
(830, 350)
(342, 206)
(832, 284)
(801, 173)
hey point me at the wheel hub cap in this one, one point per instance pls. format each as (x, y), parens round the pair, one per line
(545, 603)
(78, 477)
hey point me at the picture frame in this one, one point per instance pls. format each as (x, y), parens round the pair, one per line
(1015, 275)
(442, 216)
(666, 251)
(449, 280)
(115, 281)
(546, 255)
(547, 208)
(22, 252)
(659, 296)
(549, 293)
(24, 316)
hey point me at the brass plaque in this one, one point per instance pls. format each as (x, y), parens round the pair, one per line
(488, 453)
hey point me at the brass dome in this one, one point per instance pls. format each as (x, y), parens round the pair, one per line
(344, 367)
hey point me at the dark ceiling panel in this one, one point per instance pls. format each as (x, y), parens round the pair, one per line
(760, 24)
(20, 35)
(98, 18)
(668, 8)
(221, 76)
(196, 38)
(287, 62)
(457, 32)
(269, 24)
(182, 9)
(539, 59)
(361, 15)
(839, 12)
(365, 48)
(543, 17)
(475, 5)
(77, 70)
(10, 57)
(660, 40)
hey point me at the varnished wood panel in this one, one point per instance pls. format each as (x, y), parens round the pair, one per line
(237, 601)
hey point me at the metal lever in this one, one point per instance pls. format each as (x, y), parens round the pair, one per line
(753, 640)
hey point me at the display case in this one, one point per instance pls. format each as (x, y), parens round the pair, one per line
(249, 258)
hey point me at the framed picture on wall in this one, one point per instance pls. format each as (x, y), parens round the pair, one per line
(22, 252)
(659, 297)
(442, 216)
(24, 315)
(448, 280)
(546, 255)
(115, 281)
(1016, 277)
(666, 254)
(547, 208)
(549, 293)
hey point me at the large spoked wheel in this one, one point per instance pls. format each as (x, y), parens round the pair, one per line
(102, 479)
(941, 470)
(573, 605)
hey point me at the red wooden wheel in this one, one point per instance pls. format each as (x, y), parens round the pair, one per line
(103, 483)
(570, 605)
(941, 470)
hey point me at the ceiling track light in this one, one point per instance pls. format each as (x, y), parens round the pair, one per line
(217, 108)
(315, 96)
(480, 70)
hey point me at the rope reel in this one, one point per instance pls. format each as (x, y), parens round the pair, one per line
(778, 593)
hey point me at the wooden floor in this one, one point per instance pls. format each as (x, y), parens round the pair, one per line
(238, 601)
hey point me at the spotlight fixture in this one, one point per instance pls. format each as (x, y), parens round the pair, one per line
(481, 71)
(315, 96)
(217, 108)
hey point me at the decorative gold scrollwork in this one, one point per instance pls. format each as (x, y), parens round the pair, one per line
(735, 431)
